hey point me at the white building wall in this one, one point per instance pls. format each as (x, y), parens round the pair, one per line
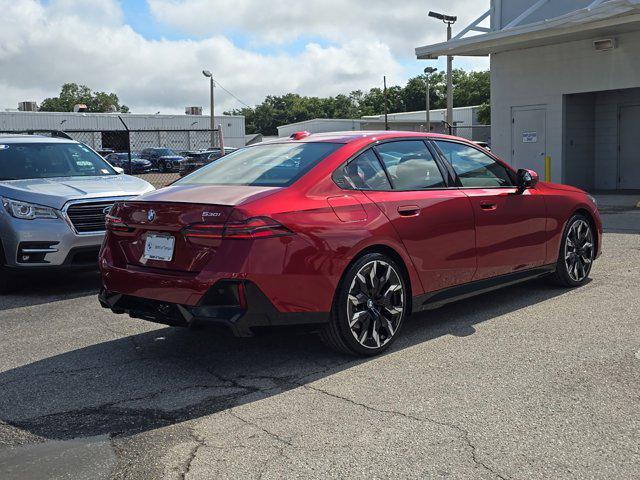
(461, 116)
(542, 75)
(508, 10)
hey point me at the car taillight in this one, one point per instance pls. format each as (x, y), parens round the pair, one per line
(256, 227)
(116, 224)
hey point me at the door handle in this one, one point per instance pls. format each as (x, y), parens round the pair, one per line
(409, 210)
(488, 206)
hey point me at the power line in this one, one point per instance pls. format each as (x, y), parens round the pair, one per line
(243, 103)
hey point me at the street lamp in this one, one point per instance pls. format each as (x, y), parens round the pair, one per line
(449, 20)
(209, 75)
(428, 71)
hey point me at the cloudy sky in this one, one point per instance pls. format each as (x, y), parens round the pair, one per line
(151, 52)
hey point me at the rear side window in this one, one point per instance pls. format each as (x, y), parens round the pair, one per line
(270, 165)
(410, 165)
(363, 173)
(475, 168)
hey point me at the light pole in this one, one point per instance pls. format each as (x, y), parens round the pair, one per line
(428, 71)
(208, 74)
(449, 20)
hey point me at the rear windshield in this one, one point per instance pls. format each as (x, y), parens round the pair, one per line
(271, 165)
(166, 152)
(50, 160)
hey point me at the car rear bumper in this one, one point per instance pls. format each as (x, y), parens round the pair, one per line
(251, 309)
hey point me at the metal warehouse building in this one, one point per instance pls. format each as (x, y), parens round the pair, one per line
(565, 84)
(179, 132)
(463, 117)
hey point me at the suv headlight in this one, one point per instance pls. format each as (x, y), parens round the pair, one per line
(27, 211)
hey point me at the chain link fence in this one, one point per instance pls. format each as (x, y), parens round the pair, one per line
(158, 156)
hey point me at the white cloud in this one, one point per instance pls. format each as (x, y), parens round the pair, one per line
(45, 45)
(403, 25)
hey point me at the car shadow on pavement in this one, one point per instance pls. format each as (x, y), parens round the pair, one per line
(49, 287)
(141, 382)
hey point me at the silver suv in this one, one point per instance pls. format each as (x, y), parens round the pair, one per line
(54, 195)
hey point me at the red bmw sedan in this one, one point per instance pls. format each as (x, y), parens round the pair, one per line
(346, 232)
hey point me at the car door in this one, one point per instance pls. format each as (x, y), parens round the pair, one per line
(510, 225)
(434, 221)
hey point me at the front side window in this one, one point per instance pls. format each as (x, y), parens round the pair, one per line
(410, 165)
(363, 173)
(473, 167)
(20, 161)
(270, 165)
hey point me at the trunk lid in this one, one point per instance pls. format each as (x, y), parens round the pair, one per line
(167, 220)
(166, 212)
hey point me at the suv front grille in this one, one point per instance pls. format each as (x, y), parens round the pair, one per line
(89, 216)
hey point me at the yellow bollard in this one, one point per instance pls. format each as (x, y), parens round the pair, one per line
(547, 168)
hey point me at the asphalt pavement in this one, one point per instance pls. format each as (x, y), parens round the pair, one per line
(527, 382)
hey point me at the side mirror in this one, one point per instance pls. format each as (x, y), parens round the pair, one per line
(119, 170)
(526, 179)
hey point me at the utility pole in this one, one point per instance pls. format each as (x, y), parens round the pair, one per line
(428, 71)
(386, 109)
(449, 80)
(209, 75)
(449, 20)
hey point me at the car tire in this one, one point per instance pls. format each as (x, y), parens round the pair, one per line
(369, 307)
(162, 167)
(577, 253)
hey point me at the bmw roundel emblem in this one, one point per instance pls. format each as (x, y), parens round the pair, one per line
(151, 215)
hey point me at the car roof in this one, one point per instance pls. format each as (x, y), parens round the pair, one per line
(358, 135)
(24, 138)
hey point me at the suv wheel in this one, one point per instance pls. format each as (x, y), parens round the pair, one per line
(577, 252)
(369, 307)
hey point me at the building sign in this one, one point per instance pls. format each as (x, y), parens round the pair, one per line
(529, 137)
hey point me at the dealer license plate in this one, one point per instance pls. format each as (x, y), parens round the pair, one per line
(159, 247)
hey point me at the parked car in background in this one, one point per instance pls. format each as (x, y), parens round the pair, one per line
(348, 233)
(105, 151)
(198, 159)
(163, 159)
(54, 195)
(137, 164)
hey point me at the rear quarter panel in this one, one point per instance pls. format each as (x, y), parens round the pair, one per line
(313, 262)
(562, 202)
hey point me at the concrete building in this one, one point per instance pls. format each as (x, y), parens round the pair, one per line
(565, 84)
(233, 127)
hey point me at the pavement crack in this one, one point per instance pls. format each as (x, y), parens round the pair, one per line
(275, 436)
(462, 433)
(199, 443)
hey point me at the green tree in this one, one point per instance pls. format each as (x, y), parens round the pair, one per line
(470, 88)
(484, 114)
(72, 94)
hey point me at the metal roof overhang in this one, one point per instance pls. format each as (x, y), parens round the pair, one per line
(610, 18)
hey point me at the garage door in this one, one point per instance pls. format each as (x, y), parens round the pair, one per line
(528, 138)
(629, 148)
